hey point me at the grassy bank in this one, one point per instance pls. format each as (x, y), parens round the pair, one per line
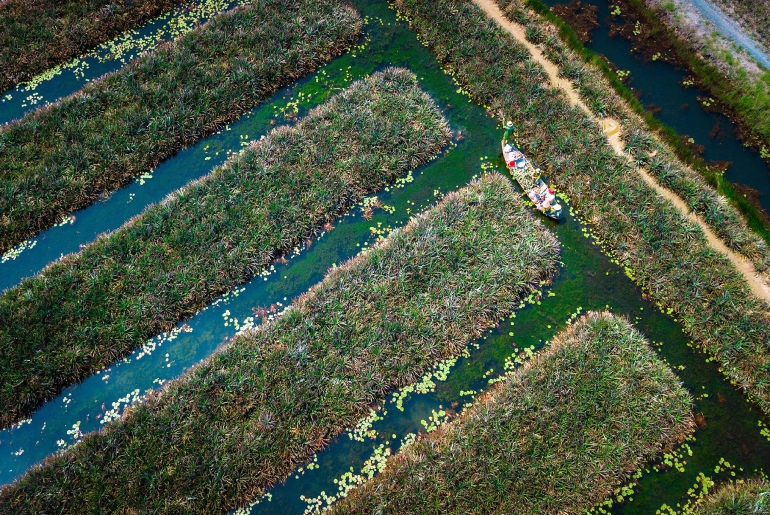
(40, 34)
(262, 405)
(748, 498)
(558, 435)
(61, 158)
(745, 97)
(693, 187)
(662, 251)
(606, 95)
(89, 309)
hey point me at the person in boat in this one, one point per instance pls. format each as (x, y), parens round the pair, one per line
(538, 194)
(508, 135)
(549, 200)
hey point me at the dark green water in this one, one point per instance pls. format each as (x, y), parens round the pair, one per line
(587, 280)
(660, 85)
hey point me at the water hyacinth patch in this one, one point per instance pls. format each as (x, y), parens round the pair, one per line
(642, 141)
(666, 253)
(63, 157)
(35, 36)
(557, 435)
(89, 309)
(246, 417)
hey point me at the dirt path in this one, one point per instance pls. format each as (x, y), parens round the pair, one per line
(758, 286)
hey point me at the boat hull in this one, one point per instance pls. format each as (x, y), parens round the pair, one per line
(528, 177)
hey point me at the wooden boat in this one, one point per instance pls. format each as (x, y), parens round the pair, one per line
(529, 179)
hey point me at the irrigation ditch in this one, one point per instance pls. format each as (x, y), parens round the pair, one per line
(729, 437)
(64, 79)
(37, 36)
(262, 404)
(91, 308)
(652, 71)
(747, 253)
(80, 228)
(555, 435)
(65, 156)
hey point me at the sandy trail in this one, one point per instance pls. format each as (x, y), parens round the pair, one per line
(758, 286)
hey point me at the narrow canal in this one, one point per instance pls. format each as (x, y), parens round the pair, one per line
(669, 92)
(67, 78)
(729, 428)
(111, 212)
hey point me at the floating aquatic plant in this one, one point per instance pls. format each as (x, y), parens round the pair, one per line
(556, 435)
(375, 323)
(89, 309)
(36, 36)
(63, 157)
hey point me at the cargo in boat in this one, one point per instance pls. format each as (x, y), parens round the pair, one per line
(530, 180)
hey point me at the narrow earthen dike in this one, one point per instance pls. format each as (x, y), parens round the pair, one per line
(610, 127)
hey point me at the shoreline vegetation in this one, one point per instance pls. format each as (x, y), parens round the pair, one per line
(597, 397)
(646, 149)
(708, 77)
(661, 250)
(750, 497)
(266, 401)
(38, 35)
(745, 93)
(87, 310)
(63, 157)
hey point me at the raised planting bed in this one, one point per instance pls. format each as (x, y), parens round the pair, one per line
(36, 35)
(746, 498)
(558, 435)
(63, 157)
(606, 95)
(662, 251)
(264, 403)
(89, 309)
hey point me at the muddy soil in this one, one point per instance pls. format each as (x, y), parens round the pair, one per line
(582, 18)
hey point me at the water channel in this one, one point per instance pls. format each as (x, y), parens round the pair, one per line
(109, 213)
(65, 79)
(677, 102)
(729, 428)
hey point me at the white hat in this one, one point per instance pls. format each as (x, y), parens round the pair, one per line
(509, 124)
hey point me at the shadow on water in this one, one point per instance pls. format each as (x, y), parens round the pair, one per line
(660, 85)
(588, 280)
